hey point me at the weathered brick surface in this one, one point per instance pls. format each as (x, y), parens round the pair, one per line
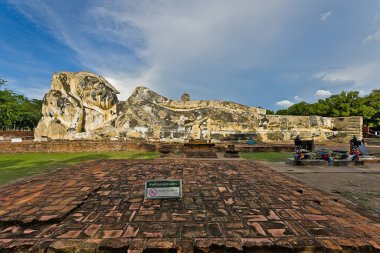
(16, 133)
(76, 146)
(226, 205)
(107, 145)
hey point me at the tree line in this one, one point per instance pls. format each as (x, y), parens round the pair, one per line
(344, 104)
(17, 112)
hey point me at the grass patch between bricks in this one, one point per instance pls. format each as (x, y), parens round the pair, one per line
(15, 166)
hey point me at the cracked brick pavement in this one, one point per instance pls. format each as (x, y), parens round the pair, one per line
(226, 206)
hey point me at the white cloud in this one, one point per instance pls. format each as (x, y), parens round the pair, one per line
(320, 94)
(324, 16)
(35, 89)
(372, 38)
(165, 43)
(362, 76)
(335, 76)
(204, 46)
(284, 103)
(287, 103)
(363, 93)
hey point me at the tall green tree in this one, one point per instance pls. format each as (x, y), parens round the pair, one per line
(17, 111)
(373, 101)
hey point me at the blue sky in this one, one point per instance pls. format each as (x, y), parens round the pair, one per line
(261, 53)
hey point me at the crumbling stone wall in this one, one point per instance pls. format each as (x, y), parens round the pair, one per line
(277, 128)
(76, 146)
(83, 105)
(16, 133)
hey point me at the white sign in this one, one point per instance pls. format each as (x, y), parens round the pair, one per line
(159, 189)
(16, 140)
(1, 138)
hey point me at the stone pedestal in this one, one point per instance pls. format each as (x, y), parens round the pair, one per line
(199, 149)
(231, 152)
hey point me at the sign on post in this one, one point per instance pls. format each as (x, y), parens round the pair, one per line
(160, 189)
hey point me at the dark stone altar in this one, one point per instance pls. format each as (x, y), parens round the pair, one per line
(199, 149)
(231, 152)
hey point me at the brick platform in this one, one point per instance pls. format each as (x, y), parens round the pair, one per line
(226, 206)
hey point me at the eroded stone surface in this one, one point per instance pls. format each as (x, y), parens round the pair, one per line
(226, 204)
(79, 105)
(83, 105)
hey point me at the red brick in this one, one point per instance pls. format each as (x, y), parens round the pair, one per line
(70, 234)
(295, 215)
(222, 189)
(152, 234)
(92, 229)
(112, 233)
(161, 244)
(257, 218)
(131, 231)
(277, 232)
(258, 242)
(135, 206)
(257, 228)
(316, 217)
(329, 244)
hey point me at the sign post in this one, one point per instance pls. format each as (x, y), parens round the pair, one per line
(162, 189)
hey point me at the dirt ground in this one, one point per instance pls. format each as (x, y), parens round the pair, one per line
(358, 184)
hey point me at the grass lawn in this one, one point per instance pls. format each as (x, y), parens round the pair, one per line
(14, 166)
(267, 156)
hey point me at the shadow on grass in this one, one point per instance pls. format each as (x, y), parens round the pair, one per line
(12, 169)
(56, 163)
(267, 156)
(146, 155)
(9, 163)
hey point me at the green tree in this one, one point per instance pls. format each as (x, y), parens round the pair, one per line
(2, 82)
(8, 109)
(17, 111)
(344, 104)
(302, 108)
(282, 112)
(373, 101)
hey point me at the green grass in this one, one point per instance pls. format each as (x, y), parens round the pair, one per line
(14, 166)
(267, 156)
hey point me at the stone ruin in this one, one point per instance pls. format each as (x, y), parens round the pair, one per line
(83, 105)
